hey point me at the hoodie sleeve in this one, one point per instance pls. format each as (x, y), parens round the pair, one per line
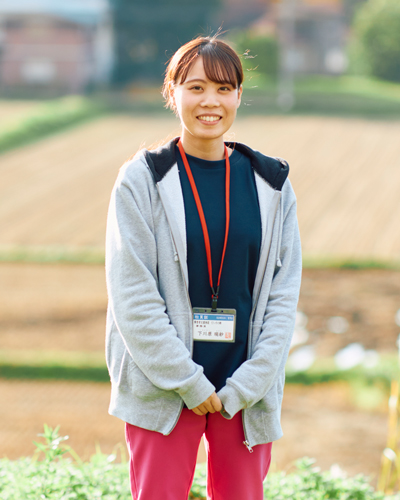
(254, 378)
(135, 304)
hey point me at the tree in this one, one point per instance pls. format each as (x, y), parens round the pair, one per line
(377, 31)
(148, 33)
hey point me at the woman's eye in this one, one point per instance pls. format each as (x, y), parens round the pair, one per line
(225, 88)
(196, 87)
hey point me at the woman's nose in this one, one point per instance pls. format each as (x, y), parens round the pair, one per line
(210, 99)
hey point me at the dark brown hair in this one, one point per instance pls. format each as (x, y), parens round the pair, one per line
(221, 64)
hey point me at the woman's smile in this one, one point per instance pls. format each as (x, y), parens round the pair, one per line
(209, 119)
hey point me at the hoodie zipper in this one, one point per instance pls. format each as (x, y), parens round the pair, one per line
(246, 439)
(189, 302)
(249, 332)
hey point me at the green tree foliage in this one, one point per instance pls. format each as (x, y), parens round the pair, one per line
(377, 33)
(259, 53)
(350, 8)
(148, 33)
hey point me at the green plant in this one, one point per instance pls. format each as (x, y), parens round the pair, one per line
(309, 483)
(259, 53)
(49, 474)
(377, 38)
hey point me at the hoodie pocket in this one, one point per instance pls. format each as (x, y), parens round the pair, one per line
(142, 387)
(270, 401)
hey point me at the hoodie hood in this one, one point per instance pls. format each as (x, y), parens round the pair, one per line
(273, 170)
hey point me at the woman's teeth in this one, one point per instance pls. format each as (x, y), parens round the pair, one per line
(209, 118)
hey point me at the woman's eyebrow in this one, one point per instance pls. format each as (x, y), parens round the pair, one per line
(195, 80)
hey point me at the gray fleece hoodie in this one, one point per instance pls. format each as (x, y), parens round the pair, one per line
(149, 319)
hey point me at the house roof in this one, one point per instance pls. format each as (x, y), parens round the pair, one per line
(81, 11)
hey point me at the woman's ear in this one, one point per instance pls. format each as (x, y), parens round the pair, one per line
(240, 91)
(171, 91)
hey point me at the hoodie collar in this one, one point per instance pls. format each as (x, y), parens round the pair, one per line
(273, 170)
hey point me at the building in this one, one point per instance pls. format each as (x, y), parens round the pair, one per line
(312, 33)
(55, 46)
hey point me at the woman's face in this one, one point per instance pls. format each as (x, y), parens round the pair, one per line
(206, 109)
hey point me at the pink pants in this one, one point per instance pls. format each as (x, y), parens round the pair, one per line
(162, 467)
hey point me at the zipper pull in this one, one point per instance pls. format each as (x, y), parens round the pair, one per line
(247, 444)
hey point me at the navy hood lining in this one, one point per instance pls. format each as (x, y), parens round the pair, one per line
(272, 170)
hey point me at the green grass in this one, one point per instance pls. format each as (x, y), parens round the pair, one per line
(345, 96)
(355, 264)
(89, 255)
(324, 370)
(51, 117)
(51, 254)
(64, 365)
(53, 365)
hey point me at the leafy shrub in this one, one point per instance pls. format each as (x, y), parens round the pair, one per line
(309, 483)
(56, 477)
(377, 38)
(59, 478)
(259, 53)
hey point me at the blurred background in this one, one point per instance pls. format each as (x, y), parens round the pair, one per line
(80, 93)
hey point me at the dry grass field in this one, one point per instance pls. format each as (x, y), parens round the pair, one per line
(346, 174)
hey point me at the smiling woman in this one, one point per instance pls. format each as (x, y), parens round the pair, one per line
(204, 88)
(203, 268)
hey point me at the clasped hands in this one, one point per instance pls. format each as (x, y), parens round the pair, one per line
(212, 404)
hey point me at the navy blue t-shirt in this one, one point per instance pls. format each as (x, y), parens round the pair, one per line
(221, 359)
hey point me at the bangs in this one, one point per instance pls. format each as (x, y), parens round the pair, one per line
(219, 66)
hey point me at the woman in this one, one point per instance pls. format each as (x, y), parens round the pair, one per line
(203, 267)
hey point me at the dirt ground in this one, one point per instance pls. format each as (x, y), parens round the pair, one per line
(318, 421)
(63, 307)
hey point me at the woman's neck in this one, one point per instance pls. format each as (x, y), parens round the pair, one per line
(209, 149)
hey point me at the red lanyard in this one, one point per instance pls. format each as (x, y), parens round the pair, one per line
(203, 220)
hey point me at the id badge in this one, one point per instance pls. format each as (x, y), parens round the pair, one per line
(216, 326)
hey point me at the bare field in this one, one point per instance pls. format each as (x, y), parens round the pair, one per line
(346, 174)
(318, 421)
(63, 307)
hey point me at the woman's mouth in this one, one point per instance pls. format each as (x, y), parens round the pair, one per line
(209, 118)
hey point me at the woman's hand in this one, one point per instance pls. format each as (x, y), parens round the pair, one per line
(211, 404)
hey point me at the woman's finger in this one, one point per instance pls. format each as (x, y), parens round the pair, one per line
(216, 403)
(208, 406)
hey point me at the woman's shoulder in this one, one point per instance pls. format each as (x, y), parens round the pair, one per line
(274, 170)
(135, 169)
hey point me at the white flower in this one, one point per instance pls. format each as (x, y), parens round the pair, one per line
(302, 359)
(350, 356)
(371, 358)
(301, 319)
(336, 472)
(338, 324)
